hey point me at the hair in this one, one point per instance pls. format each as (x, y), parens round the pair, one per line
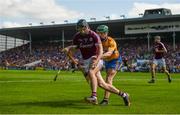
(157, 37)
(82, 23)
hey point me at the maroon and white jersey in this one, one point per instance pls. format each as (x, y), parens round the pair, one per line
(159, 46)
(87, 44)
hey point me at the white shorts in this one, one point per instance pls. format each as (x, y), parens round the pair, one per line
(87, 64)
(160, 62)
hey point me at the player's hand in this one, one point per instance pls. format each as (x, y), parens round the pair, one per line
(156, 50)
(80, 66)
(64, 50)
(76, 61)
(94, 62)
(93, 65)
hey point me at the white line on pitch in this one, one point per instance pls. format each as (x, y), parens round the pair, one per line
(78, 80)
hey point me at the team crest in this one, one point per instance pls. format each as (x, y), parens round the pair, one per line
(91, 39)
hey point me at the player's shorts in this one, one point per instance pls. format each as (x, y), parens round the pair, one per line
(120, 59)
(113, 64)
(160, 62)
(87, 64)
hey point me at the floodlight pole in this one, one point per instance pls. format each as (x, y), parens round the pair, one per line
(30, 43)
(123, 16)
(53, 22)
(93, 19)
(6, 43)
(66, 21)
(140, 14)
(62, 38)
(148, 38)
(174, 40)
(107, 17)
(174, 37)
(14, 42)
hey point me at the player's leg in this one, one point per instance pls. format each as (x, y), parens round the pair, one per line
(112, 89)
(153, 70)
(73, 68)
(93, 83)
(111, 70)
(109, 79)
(163, 65)
(167, 73)
(95, 73)
(84, 72)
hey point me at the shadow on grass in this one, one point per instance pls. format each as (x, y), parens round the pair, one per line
(79, 104)
(138, 84)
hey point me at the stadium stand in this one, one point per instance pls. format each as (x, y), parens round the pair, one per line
(52, 58)
(40, 54)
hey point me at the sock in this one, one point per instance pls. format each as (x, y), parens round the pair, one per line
(153, 78)
(105, 99)
(122, 94)
(93, 94)
(169, 75)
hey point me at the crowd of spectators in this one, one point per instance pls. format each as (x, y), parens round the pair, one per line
(51, 57)
(135, 50)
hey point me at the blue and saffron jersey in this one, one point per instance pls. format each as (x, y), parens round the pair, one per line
(110, 45)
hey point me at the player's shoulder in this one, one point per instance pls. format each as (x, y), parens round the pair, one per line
(110, 39)
(76, 34)
(160, 43)
(92, 33)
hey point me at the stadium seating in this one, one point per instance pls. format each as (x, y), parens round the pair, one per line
(52, 58)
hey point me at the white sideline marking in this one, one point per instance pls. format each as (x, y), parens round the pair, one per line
(23, 81)
(78, 80)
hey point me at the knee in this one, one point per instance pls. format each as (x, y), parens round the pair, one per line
(165, 71)
(152, 68)
(100, 84)
(109, 80)
(91, 72)
(111, 74)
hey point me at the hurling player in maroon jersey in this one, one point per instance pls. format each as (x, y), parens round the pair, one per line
(90, 46)
(159, 51)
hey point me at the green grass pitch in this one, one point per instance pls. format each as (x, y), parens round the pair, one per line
(28, 92)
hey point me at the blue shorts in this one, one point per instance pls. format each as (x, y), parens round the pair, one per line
(113, 64)
(120, 59)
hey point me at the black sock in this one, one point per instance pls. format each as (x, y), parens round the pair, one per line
(122, 94)
(105, 99)
(153, 78)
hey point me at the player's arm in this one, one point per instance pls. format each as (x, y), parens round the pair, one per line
(110, 51)
(99, 54)
(161, 51)
(107, 54)
(69, 51)
(68, 48)
(164, 50)
(100, 51)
